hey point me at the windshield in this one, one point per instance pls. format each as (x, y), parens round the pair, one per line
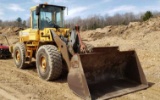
(51, 16)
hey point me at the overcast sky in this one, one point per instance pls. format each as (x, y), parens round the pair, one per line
(12, 9)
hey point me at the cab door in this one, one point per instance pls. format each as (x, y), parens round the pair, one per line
(34, 32)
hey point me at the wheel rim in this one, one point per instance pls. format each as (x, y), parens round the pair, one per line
(43, 64)
(18, 56)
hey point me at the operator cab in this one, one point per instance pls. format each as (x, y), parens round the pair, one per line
(48, 16)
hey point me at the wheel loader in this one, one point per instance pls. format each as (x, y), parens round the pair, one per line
(98, 73)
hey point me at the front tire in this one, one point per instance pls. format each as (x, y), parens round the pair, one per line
(48, 62)
(19, 55)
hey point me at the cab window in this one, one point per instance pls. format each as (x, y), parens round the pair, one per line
(51, 17)
(34, 20)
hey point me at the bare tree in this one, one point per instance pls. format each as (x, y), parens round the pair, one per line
(96, 21)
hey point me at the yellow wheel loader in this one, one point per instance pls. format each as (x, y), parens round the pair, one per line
(102, 73)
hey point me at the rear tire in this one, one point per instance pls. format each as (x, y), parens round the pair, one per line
(19, 55)
(48, 62)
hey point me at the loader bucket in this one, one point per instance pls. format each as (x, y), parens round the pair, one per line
(105, 73)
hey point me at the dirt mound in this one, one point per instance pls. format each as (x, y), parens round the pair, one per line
(134, 30)
(11, 33)
(10, 30)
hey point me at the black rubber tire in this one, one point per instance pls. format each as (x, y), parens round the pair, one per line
(20, 47)
(53, 62)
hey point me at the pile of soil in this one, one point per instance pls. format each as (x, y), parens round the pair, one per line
(11, 33)
(135, 30)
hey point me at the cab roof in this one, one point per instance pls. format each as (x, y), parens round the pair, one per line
(34, 7)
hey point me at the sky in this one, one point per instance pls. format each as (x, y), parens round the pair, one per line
(12, 9)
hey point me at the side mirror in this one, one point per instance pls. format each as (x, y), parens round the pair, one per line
(37, 10)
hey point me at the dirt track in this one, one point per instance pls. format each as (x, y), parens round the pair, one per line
(19, 84)
(26, 85)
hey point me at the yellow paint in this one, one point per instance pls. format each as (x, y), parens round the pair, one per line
(33, 8)
(33, 37)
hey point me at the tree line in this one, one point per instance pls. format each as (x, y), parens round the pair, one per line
(96, 21)
(91, 22)
(15, 23)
